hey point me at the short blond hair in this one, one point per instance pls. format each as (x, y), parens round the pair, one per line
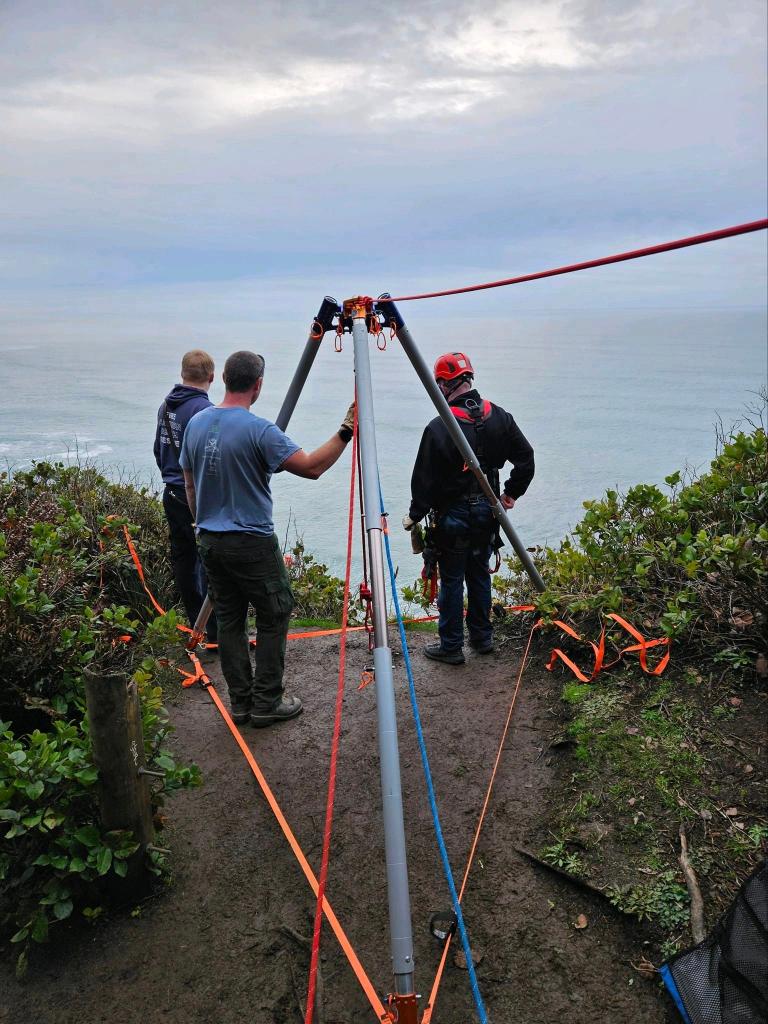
(197, 366)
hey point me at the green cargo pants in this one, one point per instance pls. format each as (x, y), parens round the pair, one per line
(248, 569)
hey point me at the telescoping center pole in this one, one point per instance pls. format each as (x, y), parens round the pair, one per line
(392, 316)
(401, 939)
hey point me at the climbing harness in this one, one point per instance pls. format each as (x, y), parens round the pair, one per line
(476, 415)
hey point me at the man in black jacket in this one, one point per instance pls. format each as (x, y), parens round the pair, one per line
(464, 524)
(181, 404)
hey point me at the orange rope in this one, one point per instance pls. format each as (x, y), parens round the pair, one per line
(365, 983)
(429, 1008)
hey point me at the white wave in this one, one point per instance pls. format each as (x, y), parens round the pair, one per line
(80, 451)
(76, 438)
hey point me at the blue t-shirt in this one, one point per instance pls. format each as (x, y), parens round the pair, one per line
(232, 455)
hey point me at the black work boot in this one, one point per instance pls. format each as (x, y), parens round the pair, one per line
(289, 707)
(241, 711)
(437, 653)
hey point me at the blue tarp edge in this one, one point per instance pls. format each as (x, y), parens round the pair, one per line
(669, 981)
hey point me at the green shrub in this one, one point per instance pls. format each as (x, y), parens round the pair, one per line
(68, 588)
(690, 563)
(318, 594)
(664, 900)
(70, 597)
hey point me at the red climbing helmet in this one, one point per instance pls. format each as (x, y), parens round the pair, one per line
(452, 365)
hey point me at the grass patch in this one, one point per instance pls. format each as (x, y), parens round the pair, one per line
(648, 757)
(306, 622)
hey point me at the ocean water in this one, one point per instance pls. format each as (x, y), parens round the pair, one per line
(607, 400)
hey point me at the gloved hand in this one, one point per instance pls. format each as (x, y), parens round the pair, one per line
(507, 501)
(408, 523)
(349, 419)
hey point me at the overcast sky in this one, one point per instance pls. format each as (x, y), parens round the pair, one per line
(251, 156)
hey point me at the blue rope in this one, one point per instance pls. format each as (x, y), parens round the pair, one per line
(479, 1006)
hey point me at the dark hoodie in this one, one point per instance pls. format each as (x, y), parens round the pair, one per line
(439, 476)
(182, 404)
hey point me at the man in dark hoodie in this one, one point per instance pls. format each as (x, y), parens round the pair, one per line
(180, 405)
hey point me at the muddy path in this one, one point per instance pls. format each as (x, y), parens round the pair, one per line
(214, 946)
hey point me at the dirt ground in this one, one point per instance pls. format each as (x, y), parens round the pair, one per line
(213, 948)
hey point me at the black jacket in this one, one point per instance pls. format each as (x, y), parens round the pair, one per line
(183, 401)
(439, 477)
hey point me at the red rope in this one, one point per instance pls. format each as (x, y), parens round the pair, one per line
(680, 243)
(312, 985)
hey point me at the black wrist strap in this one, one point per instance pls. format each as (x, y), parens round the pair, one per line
(345, 433)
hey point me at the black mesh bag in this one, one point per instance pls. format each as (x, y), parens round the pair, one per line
(724, 980)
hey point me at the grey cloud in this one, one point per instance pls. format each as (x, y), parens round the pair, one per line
(202, 142)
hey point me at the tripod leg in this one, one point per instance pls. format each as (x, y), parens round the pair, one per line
(392, 315)
(322, 323)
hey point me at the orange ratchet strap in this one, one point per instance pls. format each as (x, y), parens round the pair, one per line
(140, 570)
(641, 648)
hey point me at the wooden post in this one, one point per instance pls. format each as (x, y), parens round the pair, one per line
(114, 715)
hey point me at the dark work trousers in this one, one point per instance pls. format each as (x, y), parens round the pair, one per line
(188, 571)
(464, 542)
(248, 569)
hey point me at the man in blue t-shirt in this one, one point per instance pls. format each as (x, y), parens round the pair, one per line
(228, 458)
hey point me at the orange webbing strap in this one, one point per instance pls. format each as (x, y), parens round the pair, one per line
(429, 1008)
(335, 740)
(365, 983)
(642, 647)
(337, 630)
(140, 570)
(598, 649)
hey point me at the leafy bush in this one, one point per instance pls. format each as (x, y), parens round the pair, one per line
(69, 598)
(67, 586)
(663, 900)
(318, 594)
(689, 564)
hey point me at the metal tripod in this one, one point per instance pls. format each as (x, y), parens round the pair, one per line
(358, 316)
